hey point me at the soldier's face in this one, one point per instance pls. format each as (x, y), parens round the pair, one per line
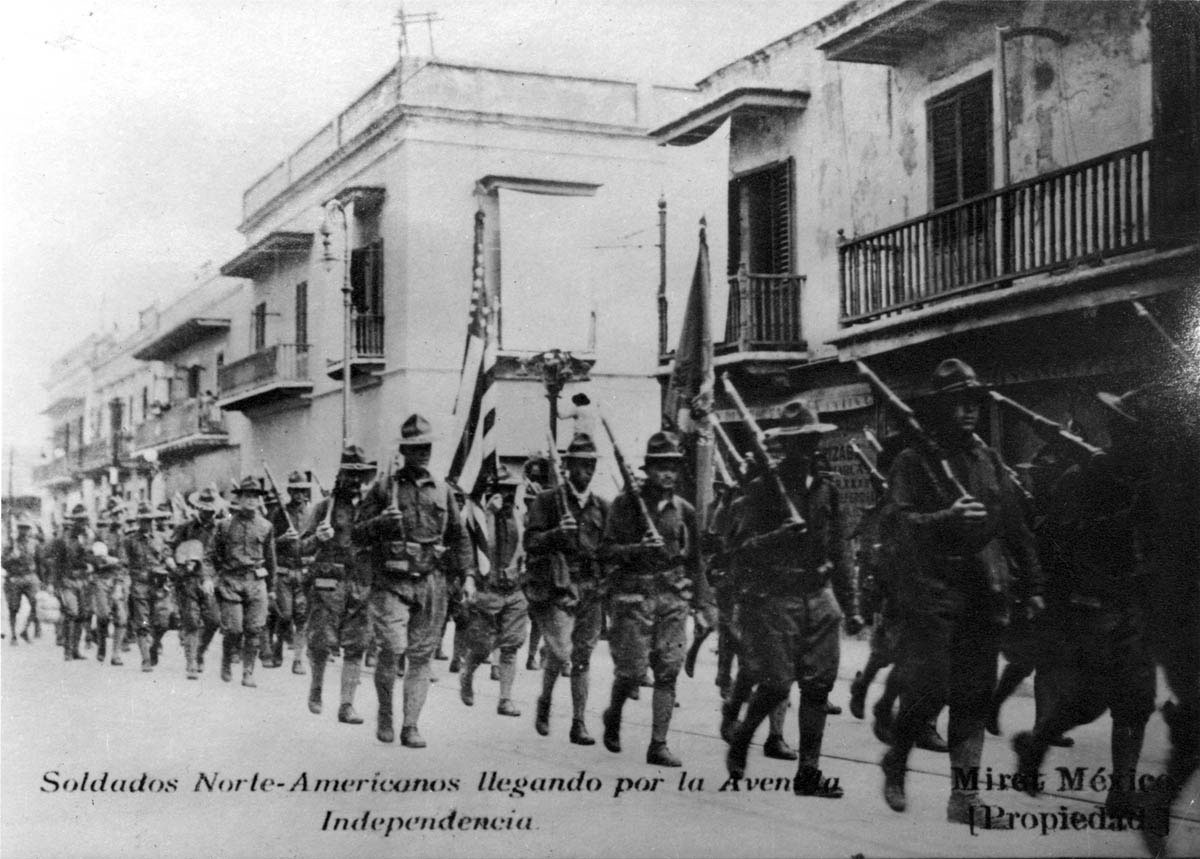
(297, 496)
(964, 416)
(206, 515)
(580, 471)
(416, 456)
(662, 474)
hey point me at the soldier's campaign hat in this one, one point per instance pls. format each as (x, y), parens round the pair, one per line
(296, 480)
(663, 447)
(416, 431)
(164, 511)
(799, 419)
(23, 520)
(204, 499)
(353, 459)
(78, 512)
(952, 378)
(145, 511)
(248, 486)
(581, 447)
(505, 477)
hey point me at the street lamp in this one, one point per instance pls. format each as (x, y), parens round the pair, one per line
(557, 367)
(329, 259)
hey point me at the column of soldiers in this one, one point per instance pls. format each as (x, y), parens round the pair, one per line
(1107, 540)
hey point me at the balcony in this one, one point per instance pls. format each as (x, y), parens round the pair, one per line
(366, 350)
(183, 429)
(764, 314)
(271, 375)
(59, 471)
(102, 454)
(1086, 214)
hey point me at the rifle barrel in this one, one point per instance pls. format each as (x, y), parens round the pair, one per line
(760, 451)
(278, 495)
(1047, 429)
(630, 484)
(1145, 313)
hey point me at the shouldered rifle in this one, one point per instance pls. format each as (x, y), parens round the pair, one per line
(559, 484)
(877, 480)
(873, 440)
(722, 468)
(631, 485)
(1009, 471)
(932, 448)
(324, 492)
(1141, 311)
(739, 461)
(1046, 429)
(770, 470)
(287, 517)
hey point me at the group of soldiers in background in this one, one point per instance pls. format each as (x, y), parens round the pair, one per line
(960, 560)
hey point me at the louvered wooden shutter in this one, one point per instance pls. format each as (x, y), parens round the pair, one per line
(781, 189)
(735, 228)
(960, 142)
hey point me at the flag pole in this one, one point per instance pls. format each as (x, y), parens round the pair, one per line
(704, 433)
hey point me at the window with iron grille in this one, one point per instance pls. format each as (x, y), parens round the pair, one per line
(761, 213)
(366, 278)
(258, 327)
(959, 123)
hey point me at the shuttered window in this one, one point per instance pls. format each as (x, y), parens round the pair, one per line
(960, 142)
(258, 327)
(761, 215)
(302, 313)
(366, 278)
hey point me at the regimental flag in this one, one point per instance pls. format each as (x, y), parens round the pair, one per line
(474, 463)
(689, 399)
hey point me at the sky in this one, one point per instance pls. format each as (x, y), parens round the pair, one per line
(132, 128)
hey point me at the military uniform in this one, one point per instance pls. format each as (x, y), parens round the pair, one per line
(339, 584)
(291, 598)
(195, 583)
(244, 557)
(790, 616)
(147, 559)
(22, 575)
(71, 557)
(565, 587)
(412, 555)
(498, 613)
(951, 573)
(651, 589)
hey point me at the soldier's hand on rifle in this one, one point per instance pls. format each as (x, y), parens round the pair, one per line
(968, 510)
(291, 535)
(569, 524)
(207, 586)
(854, 624)
(391, 513)
(324, 532)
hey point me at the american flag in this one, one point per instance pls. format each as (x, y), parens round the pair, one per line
(474, 462)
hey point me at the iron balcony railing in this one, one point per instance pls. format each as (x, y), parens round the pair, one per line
(764, 313)
(183, 419)
(1094, 209)
(103, 453)
(282, 362)
(368, 335)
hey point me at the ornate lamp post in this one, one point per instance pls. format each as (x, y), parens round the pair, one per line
(556, 367)
(328, 257)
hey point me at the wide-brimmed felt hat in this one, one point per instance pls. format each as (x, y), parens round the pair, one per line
(354, 459)
(24, 520)
(204, 499)
(416, 431)
(296, 480)
(952, 378)
(799, 419)
(582, 446)
(248, 486)
(145, 511)
(663, 447)
(164, 511)
(505, 477)
(78, 512)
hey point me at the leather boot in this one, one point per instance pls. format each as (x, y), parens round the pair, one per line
(1030, 753)
(416, 690)
(1126, 742)
(191, 641)
(385, 682)
(351, 669)
(931, 741)
(507, 670)
(77, 628)
(298, 656)
(811, 716)
(810, 781)
(662, 706)
(550, 676)
(118, 636)
(102, 637)
(68, 635)
(579, 696)
(156, 646)
(317, 683)
(777, 748)
(894, 766)
(206, 637)
(229, 643)
(858, 696)
(249, 653)
(466, 682)
(144, 647)
(964, 805)
(277, 652)
(612, 716)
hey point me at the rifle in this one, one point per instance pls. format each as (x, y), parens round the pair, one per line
(873, 440)
(558, 484)
(739, 461)
(722, 468)
(287, 517)
(631, 485)
(327, 520)
(320, 488)
(877, 480)
(1048, 430)
(1141, 311)
(932, 448)
(760, 452)
(1010, 471)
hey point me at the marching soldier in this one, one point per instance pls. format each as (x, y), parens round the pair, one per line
(1096, 658)
(952, 556)
(498, 613)
(148, 561)
(71, 555)
(340, 583)
(244, 557)
(656, 576)
(22, 575)
(199, 615)
(413, 526)
(565, 581)
(790, 616)
(110, 602)
(291, 602)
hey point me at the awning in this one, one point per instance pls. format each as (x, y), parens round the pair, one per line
(885, 32)
(63, 406)
(264, 252)
(704, 120)
(179, 337)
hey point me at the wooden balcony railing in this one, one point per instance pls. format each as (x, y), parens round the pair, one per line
(1094, 209)
(764, 313)
(184, 419)
(103, 452)
(368, 335)
(283, 362)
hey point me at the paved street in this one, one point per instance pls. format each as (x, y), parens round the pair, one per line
(81, 718)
